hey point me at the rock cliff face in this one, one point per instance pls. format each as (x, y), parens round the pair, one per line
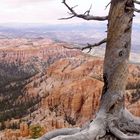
(47, 85)
(18, 66)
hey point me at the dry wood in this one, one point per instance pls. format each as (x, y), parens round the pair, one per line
(89, 46)
(85, 16)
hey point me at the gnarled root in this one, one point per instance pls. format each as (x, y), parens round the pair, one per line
(63, 131)
(129, 123)
(122, 136)
(95, 130)
(127, 115)
(121, 127)
(125, 126)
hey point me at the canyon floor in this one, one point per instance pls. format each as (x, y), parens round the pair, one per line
(45, 86)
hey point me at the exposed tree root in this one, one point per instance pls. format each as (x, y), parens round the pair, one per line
(103, 127)
(95, 130)
(129, 123)
(122, 136)
(127, 115)
(63, 131)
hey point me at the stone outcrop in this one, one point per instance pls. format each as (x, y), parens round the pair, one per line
(18, 134)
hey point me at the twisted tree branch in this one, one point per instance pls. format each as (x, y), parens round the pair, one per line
(85, 16)
(108, 5)
(89, 46)
(136, 1)
(136, 10)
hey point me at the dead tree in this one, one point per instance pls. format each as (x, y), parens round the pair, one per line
(113, 118)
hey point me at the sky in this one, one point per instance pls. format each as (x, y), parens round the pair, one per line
(47, 11)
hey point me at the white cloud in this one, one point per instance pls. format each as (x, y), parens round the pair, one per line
(27, 11)
(46, 11)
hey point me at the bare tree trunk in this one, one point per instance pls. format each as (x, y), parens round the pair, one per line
(112, 116)
(117, 55)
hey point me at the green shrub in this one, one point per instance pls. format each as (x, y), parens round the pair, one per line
(36, 131)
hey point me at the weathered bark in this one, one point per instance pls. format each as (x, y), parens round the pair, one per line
(117, 54)
(112, 113)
